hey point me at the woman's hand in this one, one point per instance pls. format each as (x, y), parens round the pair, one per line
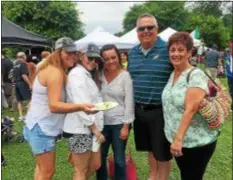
(99, 136)
(124, 132)
(88, 108)
(176, 148)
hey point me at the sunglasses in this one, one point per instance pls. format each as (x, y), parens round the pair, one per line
(143, 28)
(96, 59)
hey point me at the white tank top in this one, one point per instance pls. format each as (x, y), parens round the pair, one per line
(39, 113)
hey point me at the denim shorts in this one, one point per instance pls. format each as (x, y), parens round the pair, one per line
(39, 142)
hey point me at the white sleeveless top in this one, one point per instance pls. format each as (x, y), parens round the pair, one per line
(39, 113)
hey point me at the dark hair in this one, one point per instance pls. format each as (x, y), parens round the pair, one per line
(29, 58)
(125, 53)
(194, 51)
(110, 47)
(182, 38)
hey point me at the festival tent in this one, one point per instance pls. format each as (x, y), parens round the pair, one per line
(130, 37)
(166, 33)
(169, 31)
(99, 37)
(13, 34)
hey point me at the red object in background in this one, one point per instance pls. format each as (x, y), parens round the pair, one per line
(130, 167)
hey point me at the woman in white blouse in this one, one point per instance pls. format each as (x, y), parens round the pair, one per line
(83, 130)
(116, 87)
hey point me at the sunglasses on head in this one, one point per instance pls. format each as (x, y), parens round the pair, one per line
(143, 28)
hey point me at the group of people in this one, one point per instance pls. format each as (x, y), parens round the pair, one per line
(17, 79)
(152, 94)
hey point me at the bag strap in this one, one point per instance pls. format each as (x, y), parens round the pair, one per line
(213, 81)
(189, 74)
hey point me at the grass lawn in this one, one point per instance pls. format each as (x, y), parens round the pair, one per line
(20, 162)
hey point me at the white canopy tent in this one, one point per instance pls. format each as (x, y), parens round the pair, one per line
(99, 37)
(130, 37)
(167, 33)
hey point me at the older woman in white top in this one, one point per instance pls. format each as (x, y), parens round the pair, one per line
(82, 130)
(116, 87)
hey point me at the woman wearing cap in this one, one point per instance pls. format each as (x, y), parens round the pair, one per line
(83, 131)
(45, 118)
(116, 87)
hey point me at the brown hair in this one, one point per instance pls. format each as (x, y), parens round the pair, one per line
(54, 60)
(182, 38)
(108, 47)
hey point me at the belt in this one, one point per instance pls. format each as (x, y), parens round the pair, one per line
(148, 106)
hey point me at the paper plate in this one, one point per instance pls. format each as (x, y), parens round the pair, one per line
(105, 106)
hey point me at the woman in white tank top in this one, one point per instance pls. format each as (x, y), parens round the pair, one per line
(45, 118)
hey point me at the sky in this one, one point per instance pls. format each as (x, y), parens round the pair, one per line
(108, 15)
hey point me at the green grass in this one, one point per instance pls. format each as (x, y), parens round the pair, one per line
(20, 162)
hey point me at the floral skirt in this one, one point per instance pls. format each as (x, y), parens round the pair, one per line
(80, 143)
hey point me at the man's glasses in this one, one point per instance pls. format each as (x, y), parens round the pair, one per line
(143, 28)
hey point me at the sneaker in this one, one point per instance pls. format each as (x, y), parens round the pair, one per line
(3, 163)
(21, 118)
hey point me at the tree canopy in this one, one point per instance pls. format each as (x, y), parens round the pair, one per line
(52, 19)
(214, 19)
(168, 14)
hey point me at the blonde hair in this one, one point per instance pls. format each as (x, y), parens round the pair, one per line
(54, 60)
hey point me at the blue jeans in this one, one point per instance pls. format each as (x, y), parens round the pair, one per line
(112, 137)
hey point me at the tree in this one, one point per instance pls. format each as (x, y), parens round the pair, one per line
(227, 21)
(212, 29)
(168, 14)
(48, 18)
(208, 8)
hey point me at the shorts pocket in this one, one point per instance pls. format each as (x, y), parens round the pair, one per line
(38, 130)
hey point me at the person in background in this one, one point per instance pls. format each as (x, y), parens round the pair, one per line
(83, 131)
(150, 69)
(6, 66)
(23, 85)
(47, 110)
(211, 61)
(31, 68)
(193, 59)
(229, 70)
(44, 55)
(192, 142)
(124, 60)
(220, 70)
(116, 87)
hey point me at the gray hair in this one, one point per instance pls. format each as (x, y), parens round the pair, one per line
(147, 15)
(21, 55)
